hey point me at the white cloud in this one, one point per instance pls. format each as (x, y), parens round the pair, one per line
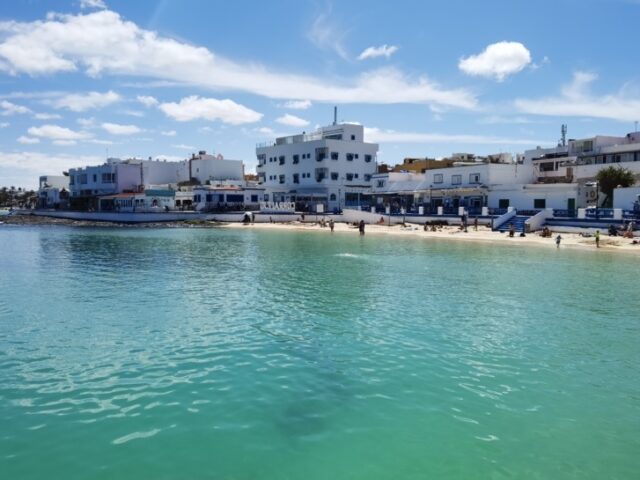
(381, 136)
(194, 107)
(576, 100)
(265, 131)
(133, 113)
(99, 142)
(28, 140)
(169, 133)
(103, 43)
(292, 121)
(147, 100)
(80, 102)
(297, 104)
(381, 51)
(9, 108)
(55, 132)
(87, 122)
(118, 129)
(4, 124)
(64, 143)
(498, 61)
(47, 116)
(29, 165)
(182, 146)
(92, 4)
(327, 35)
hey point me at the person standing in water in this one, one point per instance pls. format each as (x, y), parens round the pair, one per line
(331, 225)
(597, 238)
(361, 227)
(558, 240)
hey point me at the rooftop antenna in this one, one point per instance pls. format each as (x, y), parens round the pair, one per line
(563, 131)
(335, 115)
(636, 123)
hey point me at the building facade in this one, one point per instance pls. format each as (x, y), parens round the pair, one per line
(332, 166)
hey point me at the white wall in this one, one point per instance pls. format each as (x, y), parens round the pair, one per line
(215, 169)
(522, 196)
(156, 172)
(624, 198)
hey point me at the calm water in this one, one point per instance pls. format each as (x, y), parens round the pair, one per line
(168, 353)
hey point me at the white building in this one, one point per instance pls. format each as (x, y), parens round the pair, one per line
(461, 185)
(134, 175)
(331, 166)
(53, 191)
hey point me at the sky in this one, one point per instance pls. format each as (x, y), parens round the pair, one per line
(83, 80)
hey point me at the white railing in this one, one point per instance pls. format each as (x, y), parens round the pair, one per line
(538, 220)
(502, 219)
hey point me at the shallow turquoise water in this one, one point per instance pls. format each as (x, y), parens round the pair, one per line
(128, 353)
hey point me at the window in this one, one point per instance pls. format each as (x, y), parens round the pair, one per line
(368, 158)
(266, 197)
(474, 178)
(456, 179)
(334, 156)
(367, 177)
(296, 178)
(281, 179)
(296, 159)
(108, 178)
(332, 197)
(349, 177)
(83, 178)
(281, 159)
(353, 137)
(254, 198)
(209, 197)
(356, 155)
(321, 174)
(379, 183)
(95, 178)
(334, 175)
(539, 203)
(437, 178)
(196, 198)
(349, 157)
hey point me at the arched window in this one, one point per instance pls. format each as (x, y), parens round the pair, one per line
(332, 197)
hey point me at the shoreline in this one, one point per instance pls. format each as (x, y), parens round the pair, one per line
(446, 233)
(453, 233)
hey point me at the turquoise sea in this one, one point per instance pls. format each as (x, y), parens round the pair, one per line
(242, 354)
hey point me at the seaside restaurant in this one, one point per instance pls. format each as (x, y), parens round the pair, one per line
(151, 200)
(415, 196)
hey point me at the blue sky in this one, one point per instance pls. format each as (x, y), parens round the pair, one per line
(83, 79)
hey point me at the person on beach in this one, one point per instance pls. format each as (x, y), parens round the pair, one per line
(597, 238)
(558, 240)
(475, 224)
(361, 227)
(331, 225)
(512, 230)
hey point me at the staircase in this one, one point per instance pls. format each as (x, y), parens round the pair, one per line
(517, 221)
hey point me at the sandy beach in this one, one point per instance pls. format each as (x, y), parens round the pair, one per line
(453, 233)
(449, 233)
